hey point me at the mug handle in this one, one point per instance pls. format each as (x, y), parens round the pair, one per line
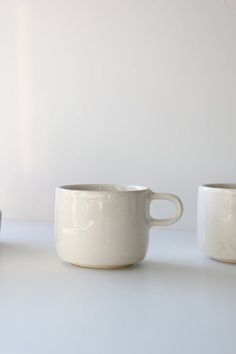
(173, 199)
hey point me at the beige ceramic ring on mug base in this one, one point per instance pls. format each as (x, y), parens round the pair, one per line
(106, 226)
(216, 226)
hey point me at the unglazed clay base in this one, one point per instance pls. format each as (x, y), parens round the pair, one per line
(102, 267)
(225, 260)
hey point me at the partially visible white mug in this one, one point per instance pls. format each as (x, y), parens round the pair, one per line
(106, 226)
(216, 224)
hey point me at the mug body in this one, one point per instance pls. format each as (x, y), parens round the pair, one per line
(216, 224)
(102, 226)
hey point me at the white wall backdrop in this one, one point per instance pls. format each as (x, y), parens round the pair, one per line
(115, 91)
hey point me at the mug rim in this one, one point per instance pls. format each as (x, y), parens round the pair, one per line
(220, 186)
(103, 188)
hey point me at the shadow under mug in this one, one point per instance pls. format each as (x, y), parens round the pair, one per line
(216, 221)
(106, 226)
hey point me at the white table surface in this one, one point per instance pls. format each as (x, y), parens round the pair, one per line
(176, 301)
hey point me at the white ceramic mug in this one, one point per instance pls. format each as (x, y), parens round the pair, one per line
(106, 226)
(216, 226)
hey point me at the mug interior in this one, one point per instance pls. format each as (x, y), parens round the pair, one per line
(221, 185)
(103, 188)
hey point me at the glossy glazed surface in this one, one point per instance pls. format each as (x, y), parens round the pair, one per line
(217, 221)
(105, 225)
